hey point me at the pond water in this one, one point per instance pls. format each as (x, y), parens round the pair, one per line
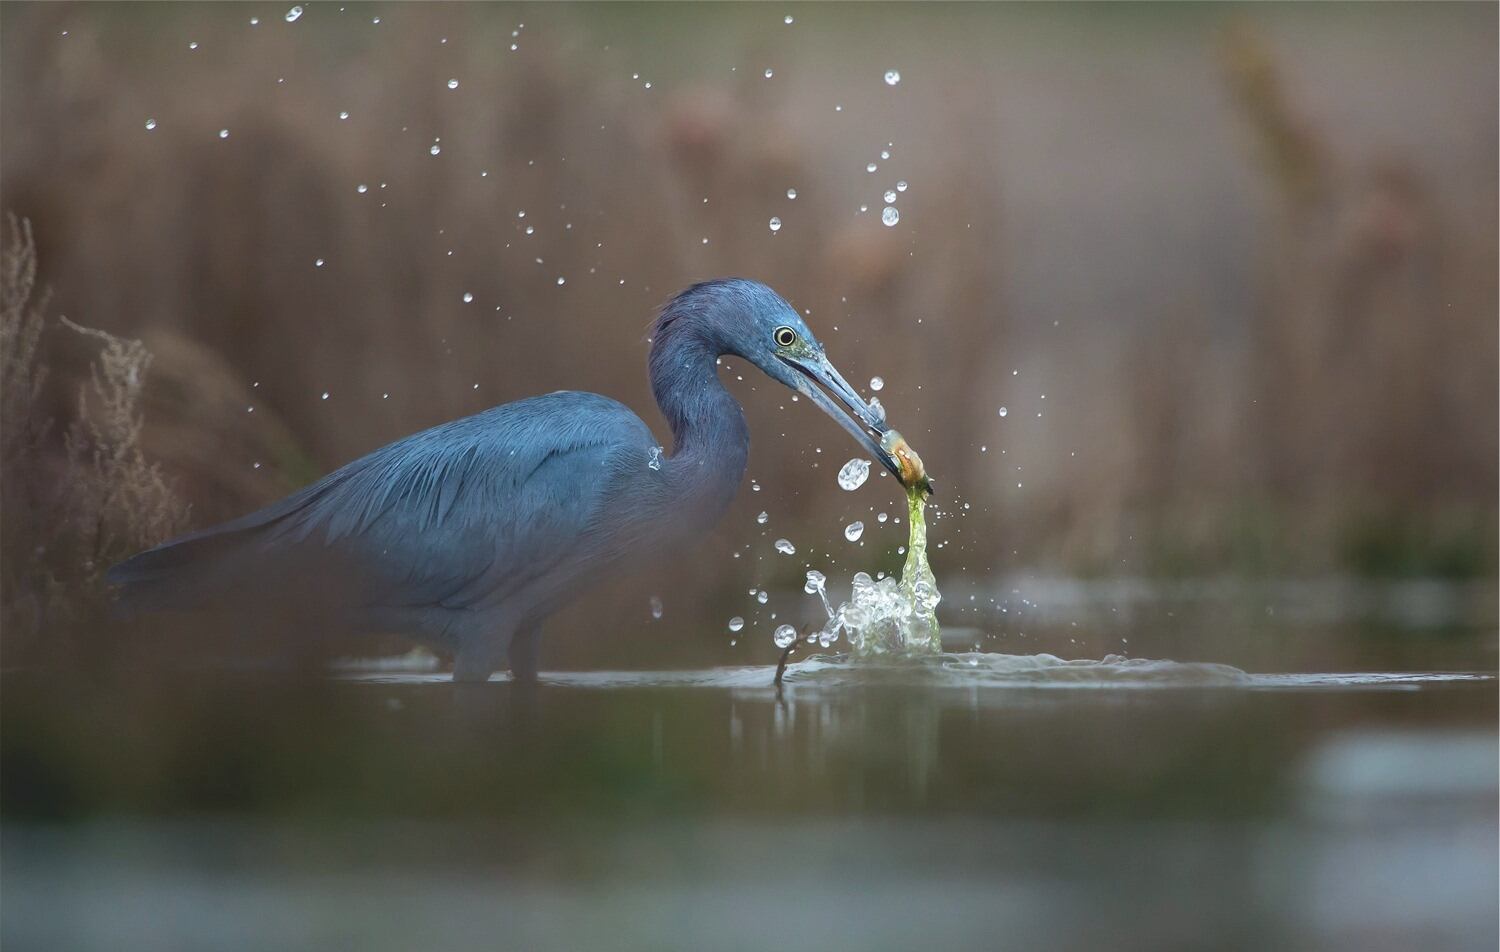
(970, 801)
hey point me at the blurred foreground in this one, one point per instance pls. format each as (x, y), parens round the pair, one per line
(628, 812)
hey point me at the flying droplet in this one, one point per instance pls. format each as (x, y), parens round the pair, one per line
(881, 518)
(435, 149)
(655, 607)
(792, 194)
(344, 115)
(787, 19)
(769, 74)
(762, 597)
(785, 547)
(853, 474)
(362, 188)
(775, 225)
(892, 77)
(561, 281)
(785, 634)
(890, 216)
(754, 486)
(854, 530)
(318, 263)
(890, 196)
(901, 185)
(293, 14)
(763, 518)
(1004, 411)
(452, 84)
(877, 383)
(150, 124)
(468, 297)
(223, 133)
(871, 167)
(736, 623)
(815, 582)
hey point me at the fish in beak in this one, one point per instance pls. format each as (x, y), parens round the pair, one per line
(863, 422)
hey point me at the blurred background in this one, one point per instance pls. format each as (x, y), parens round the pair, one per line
(1190, 308)
(1176, 292)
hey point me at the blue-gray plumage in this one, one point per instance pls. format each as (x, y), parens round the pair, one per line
(469, 534)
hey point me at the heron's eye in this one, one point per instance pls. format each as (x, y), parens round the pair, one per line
(785, 337)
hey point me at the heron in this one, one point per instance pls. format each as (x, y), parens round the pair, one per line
(468, 535)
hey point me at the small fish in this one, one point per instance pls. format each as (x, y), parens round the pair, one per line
(913, 473)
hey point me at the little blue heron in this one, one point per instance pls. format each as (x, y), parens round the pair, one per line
(470, 534)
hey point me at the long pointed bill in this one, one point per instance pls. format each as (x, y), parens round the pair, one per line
(816, 372)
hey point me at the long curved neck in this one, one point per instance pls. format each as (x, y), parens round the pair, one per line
(710, 439)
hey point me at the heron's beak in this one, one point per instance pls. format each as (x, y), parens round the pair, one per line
(814, 373)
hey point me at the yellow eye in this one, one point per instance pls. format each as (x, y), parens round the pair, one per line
(785, 337)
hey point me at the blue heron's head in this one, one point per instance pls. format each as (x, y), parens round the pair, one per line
(749, 320)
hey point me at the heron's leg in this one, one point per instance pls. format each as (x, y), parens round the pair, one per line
(478, 656)
(523, 653)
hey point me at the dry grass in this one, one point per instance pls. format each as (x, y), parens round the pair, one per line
(67, 520)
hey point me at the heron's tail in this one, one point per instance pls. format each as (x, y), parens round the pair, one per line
(182, 575)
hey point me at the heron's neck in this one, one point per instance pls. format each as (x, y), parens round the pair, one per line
(709, 436)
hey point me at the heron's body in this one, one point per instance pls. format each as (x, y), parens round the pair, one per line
(471, 533)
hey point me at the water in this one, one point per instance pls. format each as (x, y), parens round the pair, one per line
(969, 800)
(890, 216)
(853, 474)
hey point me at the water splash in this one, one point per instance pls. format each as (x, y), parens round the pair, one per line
(889, 618)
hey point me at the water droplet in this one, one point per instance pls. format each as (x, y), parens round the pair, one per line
(762, 597)
(362, 188)
(293, 14)
(881, 518)
(763, 518)
(325, 395)
(877, 383)
(769, 74)
(150, 124)
(775, 224)
(901, 186)
(853, 474)
(785, 634)
(890, 216)
(223, 133)
(854, 530)
(468, 297)
(561, 281)
(1004, 411)
(736, 623)
(754, 486)
(871, 167)
(192, 46)
(655, 461)
(892, 77)
(885, 154)
(815, 582)
(255, 21)
(655, 607)
(435, 149)
(890, 196)
(452, 84)
(787, 19)
(318, 263)
(344, 114)
(792, 194)
(785, 547)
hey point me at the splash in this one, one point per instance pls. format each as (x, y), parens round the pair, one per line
(888, 618)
